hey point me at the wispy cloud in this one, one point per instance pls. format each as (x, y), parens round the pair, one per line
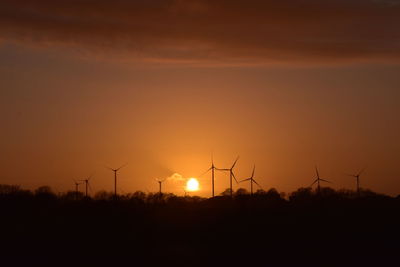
(234, 31)
(176, 178)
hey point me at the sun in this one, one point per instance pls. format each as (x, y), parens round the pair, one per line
(192, 184)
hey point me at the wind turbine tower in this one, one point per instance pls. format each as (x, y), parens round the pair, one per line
(212, 169)
(77, 187)
(160, 184)
(251, 179)
(318, 180)
(87, 185)
(231, 175)
(115, 177)
(357, 176)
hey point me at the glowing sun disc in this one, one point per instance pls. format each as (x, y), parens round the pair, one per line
(192, 184)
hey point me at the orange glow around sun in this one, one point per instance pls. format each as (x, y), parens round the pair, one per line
(192, 184)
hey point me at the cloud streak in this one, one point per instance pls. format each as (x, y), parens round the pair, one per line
(176, 177)
(234, 31)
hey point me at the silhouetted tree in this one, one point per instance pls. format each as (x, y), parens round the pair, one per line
(273, 194)
(14, 191)
(43, 190)
(73, 195)
(301, 194)
(103, 195)
(6, 189)
(138, 196)
(327, 192)
(260, 192)
(241, 191)
(346, 193)
(369, 193)
(45, 193)
(226, 192)
(138, 224)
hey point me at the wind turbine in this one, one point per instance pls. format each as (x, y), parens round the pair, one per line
(212, 169)
(160, 183)
(317, 180)
(357, 176)
(251, 179)
(86, 181)
(77, 187)
(115, 177)
(231, 174)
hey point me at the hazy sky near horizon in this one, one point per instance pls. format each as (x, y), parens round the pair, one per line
(286, 86)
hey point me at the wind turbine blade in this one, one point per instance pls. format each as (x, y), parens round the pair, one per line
(326, 181)
(122, 166)
(254, 169)
(109, 168)
(205, 172)
(244, 180)
(234, 177)
(352, 175)
(313, 183)
(362, 170)
(316, 170)
(257, 183)
(235, 162)
(227, 170)
(90, 177)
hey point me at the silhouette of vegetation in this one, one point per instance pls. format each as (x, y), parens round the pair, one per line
(305, 228)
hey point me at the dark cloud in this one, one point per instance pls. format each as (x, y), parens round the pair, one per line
(258, 31)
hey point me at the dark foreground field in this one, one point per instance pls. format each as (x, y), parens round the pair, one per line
(330, 229)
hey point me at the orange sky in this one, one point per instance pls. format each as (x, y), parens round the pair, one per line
(83, 88)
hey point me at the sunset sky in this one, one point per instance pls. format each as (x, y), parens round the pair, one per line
(162, 84)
